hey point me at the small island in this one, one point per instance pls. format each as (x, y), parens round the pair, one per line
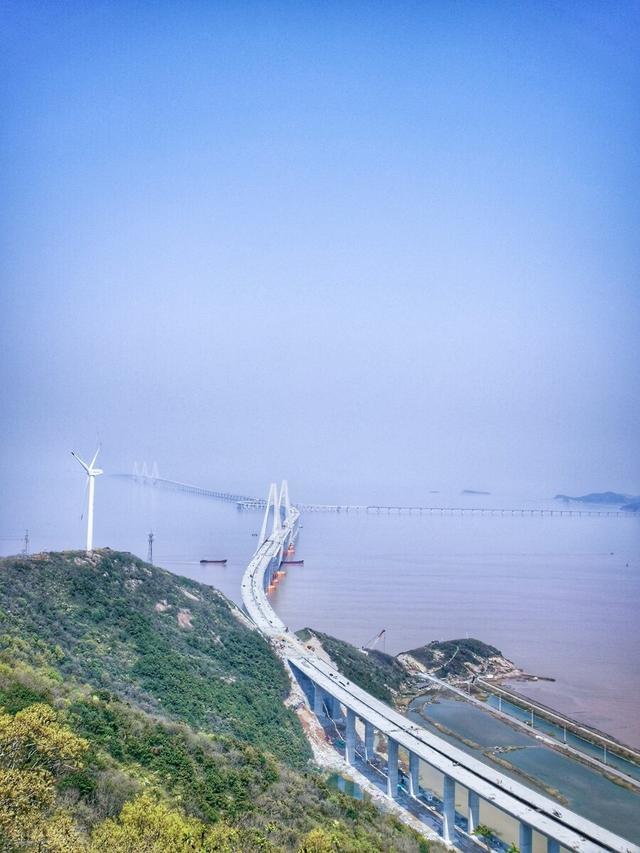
(454, 660)
(628, 503)
(399, 679)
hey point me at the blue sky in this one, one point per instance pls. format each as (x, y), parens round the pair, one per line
(379, 248)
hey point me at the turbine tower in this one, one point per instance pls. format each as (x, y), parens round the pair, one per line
(92, 473)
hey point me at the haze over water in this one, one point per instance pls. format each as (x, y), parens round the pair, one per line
(375, 248)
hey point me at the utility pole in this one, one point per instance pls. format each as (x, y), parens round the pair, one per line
(26, 543)
(150, 549)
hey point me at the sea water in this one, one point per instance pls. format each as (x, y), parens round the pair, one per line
(559, 596)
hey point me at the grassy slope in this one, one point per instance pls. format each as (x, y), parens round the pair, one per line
(385, 677)
(191, 714)
(100, 617)
(377, 673)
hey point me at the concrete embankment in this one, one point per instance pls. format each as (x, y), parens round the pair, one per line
(594, 744)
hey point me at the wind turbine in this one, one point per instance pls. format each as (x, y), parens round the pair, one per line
(92, 473)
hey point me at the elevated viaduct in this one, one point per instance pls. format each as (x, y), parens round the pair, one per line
(332, 694)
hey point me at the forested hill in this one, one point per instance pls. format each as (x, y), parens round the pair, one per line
(379, 674)
(396, 680)
(139, 713)
(164, 642)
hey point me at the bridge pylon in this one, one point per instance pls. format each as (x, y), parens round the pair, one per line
(284, 501)
(143, 473)
(272, 502)
(279, 504)
(277, 512)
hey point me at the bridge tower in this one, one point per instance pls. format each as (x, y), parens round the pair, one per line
(284, 498)
(142, 472)
(279, 504)
(278, 512)
(272, 503)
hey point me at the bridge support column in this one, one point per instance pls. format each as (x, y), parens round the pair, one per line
(553, 846)
(268, 575)
(350, 739)
(336, 708)
(449, 809)
(368, 740)
(318, 701)
(474, 812)
(392, 768)
(414, 774)
(526, 834)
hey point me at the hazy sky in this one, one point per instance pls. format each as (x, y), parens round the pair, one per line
(379, 248)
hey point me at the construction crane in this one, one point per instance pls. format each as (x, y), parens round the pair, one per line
(381, 635)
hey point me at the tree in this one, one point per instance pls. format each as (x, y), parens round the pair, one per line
(35, 751)
(317, 841)
(148, 826)
(335, 838)
(33, 739)
(24, 796)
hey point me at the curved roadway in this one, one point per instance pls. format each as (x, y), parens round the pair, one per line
(526, 805)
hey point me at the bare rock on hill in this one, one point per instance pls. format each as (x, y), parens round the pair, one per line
(458, 659)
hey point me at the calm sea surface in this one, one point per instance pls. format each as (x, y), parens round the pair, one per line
(559, 596)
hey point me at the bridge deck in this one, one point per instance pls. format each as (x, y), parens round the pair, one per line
(537, 811)
(251, 503)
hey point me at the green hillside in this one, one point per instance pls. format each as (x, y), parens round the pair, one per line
(379, 674)
(164, 642)
(393, 679)
(140, 714)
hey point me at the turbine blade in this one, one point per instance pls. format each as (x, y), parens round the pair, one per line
(93, 461)
(84, 464)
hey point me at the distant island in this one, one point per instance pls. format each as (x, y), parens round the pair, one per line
(473, 492)
(632, 506)
(629, 503)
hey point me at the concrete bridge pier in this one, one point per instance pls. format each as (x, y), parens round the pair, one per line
(268, 575)
(553, 846)
(335, 709)
(318, 701)
(392, 768)
(368, 740)
(414, 774)
(449, 810)
(350, 737)
(474, 812)
(526, 840)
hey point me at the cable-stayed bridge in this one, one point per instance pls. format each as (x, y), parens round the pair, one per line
(144, 476)
(147, 477)
(406, 746)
